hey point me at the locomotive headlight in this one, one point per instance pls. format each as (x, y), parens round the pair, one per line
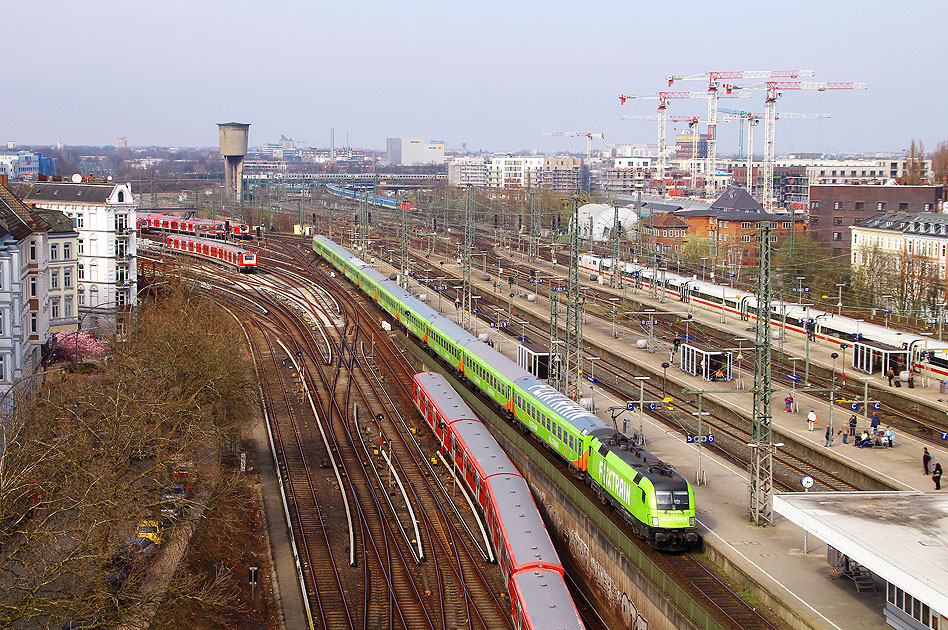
(691, 521)
(654, 521)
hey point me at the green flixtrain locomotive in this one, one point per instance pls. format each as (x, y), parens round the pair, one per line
(656, 500)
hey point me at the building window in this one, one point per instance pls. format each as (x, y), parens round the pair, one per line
(814, 205)
(67, 250)
(33, 323)
(54, 279)
(746, 238)
(54, 252)
(837, 220)
(121, 274)
(880, 206)
(82, 272)
(121, 248)
(54, 312)
(121, 298)
(32, 250)
(1, 322)
(746, 225)
(928, 207)
(860, 205)
(786, 225)
(837, 205)
(903, 207)
(3, 372)
(77, 221)
(67, 278)
(121, 222)
(81, 297)
(81, 248)
(837, 236)
(32, 286)
(67, 311)
(814, 220)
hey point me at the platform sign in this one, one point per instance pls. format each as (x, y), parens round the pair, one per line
(854, 406)
(523, 338)
(652, 406)
(687, 337)
(944, 436)
(558, 289)
(635, 274)
(592, 379)
(630, 406)
(877, 405)
(703, 439)
(795, 378)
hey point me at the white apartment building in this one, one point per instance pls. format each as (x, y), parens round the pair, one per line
(62, 271)
(874, 170)
(104, 216)
(467, 171)
(514, 171)
(24, 315)
(922, 236)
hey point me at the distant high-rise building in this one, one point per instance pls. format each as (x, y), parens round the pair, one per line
(414, 151)
(121, 143)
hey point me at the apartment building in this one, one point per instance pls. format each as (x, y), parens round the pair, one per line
(834, 208)
(104, 217)
(62, 239)
(467, 171)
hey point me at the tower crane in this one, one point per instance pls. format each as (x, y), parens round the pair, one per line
(775, 91)
(715, 83)
(752, 120)
(663, 99)
(574, 134)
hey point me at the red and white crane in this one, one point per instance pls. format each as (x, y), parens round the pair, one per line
(718, 81)
(752, 120)
(575, 134)
(663, 99)
(775, 91)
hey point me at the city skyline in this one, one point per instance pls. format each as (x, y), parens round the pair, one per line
(493, 76)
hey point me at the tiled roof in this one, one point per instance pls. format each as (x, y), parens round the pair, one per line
(64, 191)
(58, 222)
(919, 223)
(18, 220)
(736, 199)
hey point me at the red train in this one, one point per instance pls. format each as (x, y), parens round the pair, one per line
(230, 255)
(525, 553)
(149, 222)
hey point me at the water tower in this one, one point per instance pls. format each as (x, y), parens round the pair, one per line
(233, 149)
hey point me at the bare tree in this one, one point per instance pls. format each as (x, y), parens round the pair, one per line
(914, 170)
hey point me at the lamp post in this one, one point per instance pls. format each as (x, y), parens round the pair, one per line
(843, 347)
(665, 366)
(834, 356)
(839, 299)
(613, 310)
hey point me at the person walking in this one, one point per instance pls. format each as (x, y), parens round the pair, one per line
(874, 425)
(926, 460)
(788, 403)
(811, 419)
(936, 476)
(890, 375)
(829, 436)
(852, 425)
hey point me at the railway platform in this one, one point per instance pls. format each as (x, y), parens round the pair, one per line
(792, 581)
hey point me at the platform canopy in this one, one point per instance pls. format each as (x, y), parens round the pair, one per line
(902, 537)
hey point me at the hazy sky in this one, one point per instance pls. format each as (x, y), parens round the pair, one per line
(493, 74)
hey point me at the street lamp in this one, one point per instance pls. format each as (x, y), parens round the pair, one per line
(834, 356)
(665, 366)
(843, 347)
(839, 300)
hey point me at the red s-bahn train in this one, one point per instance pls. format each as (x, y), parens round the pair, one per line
(230, 255)
(530, 565)
(151, 222)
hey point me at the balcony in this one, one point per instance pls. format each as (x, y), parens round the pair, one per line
(123, 231)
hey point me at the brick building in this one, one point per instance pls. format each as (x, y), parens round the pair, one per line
(666, 232)
(834, 208)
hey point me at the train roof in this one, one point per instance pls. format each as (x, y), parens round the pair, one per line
(482, 446)
(547, 602)
(452, 406)
(224, 245)
(524, 530)
(343, 253)
(420, 309)
(498, 362)
(560, 405)
(452, 331)
(171, 217)
(662, 475)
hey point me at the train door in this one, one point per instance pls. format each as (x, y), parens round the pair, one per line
(683, 291)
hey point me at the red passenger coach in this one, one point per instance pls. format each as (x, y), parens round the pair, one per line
(525, 553)
(213, 228)
(228, 254)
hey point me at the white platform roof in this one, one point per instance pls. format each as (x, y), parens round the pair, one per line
(900, 536)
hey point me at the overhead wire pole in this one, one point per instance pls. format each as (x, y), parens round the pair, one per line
(556, 366)
(534, 225)
(574, 318)
(762, 466)
(468, 310)
(615, 278)
(404, 236)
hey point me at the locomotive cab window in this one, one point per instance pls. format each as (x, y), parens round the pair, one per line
(674, 500)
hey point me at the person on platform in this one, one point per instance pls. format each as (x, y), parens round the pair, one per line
(926, 460)
(864, 440)
(811, 419)
(719, 375)
(829, 436)
(874, 425)
(852, 425)
(890, 375)
(936, 476)
(788, 403)
(890, 436)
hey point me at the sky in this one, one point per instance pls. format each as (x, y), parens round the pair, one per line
(491, 74)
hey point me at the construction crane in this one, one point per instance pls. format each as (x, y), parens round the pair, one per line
(715, 84)
(752, 120)
(775, 91)
(663, 99)
(574, 134)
